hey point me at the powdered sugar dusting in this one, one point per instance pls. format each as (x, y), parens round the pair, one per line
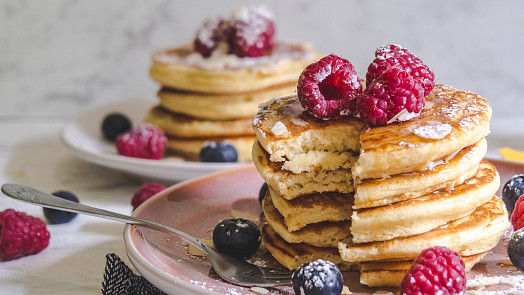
(283, 52)
(279, 129)
(401, 116)
(433, 131)
(253, 20)
(299, 122)
(514, 284)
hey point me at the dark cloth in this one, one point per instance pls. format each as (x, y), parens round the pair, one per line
(119, 279)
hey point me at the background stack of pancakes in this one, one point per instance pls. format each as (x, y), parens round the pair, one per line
(373, 198)
(213, 99)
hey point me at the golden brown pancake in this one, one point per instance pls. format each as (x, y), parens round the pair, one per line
(210, 106)
(185, 69)
(391, 273)
(419, 215)
(178, 125)
(473, 234)
(293, 255)
(451, 120)
(291, 185)
(445, 174)
(286, 131)
(313, 208)
(322, 234)
(189, 148)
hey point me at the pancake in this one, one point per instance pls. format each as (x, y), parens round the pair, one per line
(291, 185)
(179, 125)
(391, 273)
(185, 69)
(189, 148)
(372, 273)
(473, 234)
(312, 208)
(451, 120)
(322, 234)
(443, 175)
(286, 131)
(294, 255)
(419, 215)
(220, 106)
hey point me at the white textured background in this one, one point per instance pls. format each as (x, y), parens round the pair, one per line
(61, 57)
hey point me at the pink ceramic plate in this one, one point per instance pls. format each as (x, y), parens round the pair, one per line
(196, 206)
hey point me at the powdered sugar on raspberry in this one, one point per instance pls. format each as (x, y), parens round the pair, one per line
(256, 17)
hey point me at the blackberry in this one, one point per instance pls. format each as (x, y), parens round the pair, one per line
(58, 216)
(512, 190)
(218, 152)
(115, 124)
(318, 277)
(237, 237)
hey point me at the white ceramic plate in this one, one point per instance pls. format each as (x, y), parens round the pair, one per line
(84, 138)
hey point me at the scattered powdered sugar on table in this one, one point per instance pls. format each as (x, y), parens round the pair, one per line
(514, 283)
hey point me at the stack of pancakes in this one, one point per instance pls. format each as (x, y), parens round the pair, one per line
(213, 99)
(372, 198)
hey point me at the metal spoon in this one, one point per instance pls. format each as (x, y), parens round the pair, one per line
(232, 270)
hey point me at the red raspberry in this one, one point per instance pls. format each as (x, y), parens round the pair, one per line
(436, 270)
(146, 191)
(396, 56)
(329, 87)
(393, 92)
(144, 141)
(209, 36)
(252, 31)
(517, 216)
(21, 235)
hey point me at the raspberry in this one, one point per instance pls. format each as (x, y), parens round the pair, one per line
(209, 35)
(396, 56)
(393, 96)
(146, 191)
(517, 216)
(328, 88)
(21, 235)
(252, 31)
(436, 270)
(144, 141)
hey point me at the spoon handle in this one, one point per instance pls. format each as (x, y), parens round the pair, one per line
(33, 196)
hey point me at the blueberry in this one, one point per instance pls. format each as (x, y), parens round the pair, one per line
(218, 152)
(516, 248)
(58, 216)
(237, 237)
(512, 190)
(262, 192)
(115, 124)
(318, 277)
